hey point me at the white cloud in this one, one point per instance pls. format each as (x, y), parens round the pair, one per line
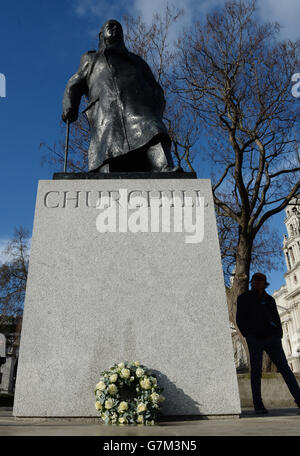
(286, 12)
(193, 9)
(102, 10)
(97, 8)
(3, 244)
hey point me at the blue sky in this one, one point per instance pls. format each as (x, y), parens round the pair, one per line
(40, 45)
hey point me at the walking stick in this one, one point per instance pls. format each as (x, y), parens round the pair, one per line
(67, 145)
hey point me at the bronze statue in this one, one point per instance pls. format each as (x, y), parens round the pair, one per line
(125, 108)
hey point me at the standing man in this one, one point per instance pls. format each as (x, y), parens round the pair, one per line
(125, 108)
(259, 322)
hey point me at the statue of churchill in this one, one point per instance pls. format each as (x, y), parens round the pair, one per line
(125, 108)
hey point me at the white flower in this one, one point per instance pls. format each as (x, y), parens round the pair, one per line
(141, 407)
(113, 378)
(161, 398)
(154, 397)
(114, 418)
(123, 406)
(109, 403)
(137, 363)
(122, 420)
(125, 373)
(100, 386)
(112, 389)
(145, 383)
(98, 406)
(139, 372)
(140, 419)
(121, 365)
(131, 379)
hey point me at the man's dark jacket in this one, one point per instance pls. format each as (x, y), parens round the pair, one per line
(258, 316)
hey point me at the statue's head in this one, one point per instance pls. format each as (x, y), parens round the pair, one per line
(111, 34)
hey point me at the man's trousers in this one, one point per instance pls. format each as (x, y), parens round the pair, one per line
(272, 345)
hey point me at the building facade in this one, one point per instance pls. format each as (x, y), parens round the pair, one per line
(288, 296)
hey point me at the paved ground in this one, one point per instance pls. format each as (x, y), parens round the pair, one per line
(283, 422)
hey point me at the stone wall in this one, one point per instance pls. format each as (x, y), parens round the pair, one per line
(275, 393)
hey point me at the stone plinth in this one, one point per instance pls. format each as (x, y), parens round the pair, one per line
(95, 298)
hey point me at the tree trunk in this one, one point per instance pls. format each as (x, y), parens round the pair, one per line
(240, 282)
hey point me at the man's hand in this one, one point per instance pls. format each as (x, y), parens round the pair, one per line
(71, 115)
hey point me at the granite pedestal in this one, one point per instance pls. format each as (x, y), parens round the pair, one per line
(95, 298)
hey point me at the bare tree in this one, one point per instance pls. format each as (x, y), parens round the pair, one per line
(266, 254)
(13, 276)
(236, 75)
(155, 44)
(228, 85)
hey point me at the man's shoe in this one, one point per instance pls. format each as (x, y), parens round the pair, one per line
(260, 409)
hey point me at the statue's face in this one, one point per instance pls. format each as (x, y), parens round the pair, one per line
(112, 32)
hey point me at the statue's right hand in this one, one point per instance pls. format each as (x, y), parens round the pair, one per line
(71, 115)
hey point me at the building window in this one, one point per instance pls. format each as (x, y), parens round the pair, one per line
(286, 328)
(289, 346)
(295, 279)
(291, 255)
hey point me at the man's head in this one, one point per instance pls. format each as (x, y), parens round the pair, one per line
(259, 281)
(111, 33)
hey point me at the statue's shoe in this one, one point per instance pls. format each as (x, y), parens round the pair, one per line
(104, 169)
(170, 169)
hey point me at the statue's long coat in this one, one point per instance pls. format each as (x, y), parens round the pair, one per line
(126, 103)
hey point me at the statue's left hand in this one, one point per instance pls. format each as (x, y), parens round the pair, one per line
(71, 115)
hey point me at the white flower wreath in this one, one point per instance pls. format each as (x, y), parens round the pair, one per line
(140, 404)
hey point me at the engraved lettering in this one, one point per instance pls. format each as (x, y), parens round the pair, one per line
(88, 199)
(46, 200)
(71, 198)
